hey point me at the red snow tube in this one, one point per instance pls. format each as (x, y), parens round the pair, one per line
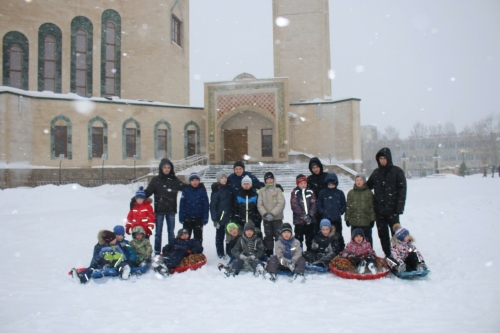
(192, 262)
(343, 268)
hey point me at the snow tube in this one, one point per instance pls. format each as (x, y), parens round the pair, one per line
(411, 275)
(99, 273)
(343, 268)
(193, 262)
(309, 269)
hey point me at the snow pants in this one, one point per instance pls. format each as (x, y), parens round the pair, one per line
(238, 264)
(195, 226)
(272, 233)
(384, 224)
(306, 231)
(273, 265)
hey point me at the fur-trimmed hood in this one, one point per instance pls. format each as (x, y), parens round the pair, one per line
(100, 240)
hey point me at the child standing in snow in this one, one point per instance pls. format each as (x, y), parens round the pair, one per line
(303, 202)
(141, 214)
(360, 253)
(181, 247)
(194, 207)
(124, 244)
(271, 204)
(325, 245)
(331, 204)
(360, 213)
(221, 210)
(245, 204)
(404, 255)
(106, 255)
(288, 255)
(249, 249)
(141, 246)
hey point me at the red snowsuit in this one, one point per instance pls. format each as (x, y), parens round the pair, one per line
(141, 215)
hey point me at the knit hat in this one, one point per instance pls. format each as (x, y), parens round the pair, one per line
(246, 179)
(239, 164)
(300, 178)
(140, 194)
(401, 234)
(362, 175)
(232, 225)
(286, 227)
(193, 175)
(268, 174)
(119, 230)
(182, 231)
(219, 175)
(325, 223)
(249, 226)
(108, 236)
(358, 232)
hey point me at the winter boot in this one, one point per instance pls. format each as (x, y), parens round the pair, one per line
(222, 256)
(270, 276)
(269, 253)
(226, 270)
(259, 270)
(362, 267)
(162, 269)
(125, 272)
(298, 277)
(421, 267)
(372, 268)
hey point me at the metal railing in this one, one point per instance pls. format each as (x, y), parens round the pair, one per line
(180, 165)
(95, 183)
(55, 182)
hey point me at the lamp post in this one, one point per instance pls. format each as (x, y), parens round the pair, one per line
(135, 159)
(104, 158)
(330, 157)
(61, 157)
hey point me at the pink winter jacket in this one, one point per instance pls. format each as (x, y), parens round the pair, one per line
(354, 249)
(400, 252)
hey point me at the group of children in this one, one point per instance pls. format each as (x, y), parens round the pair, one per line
(237, 216)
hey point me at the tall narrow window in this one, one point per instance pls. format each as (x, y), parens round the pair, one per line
(97, 141)
(110, 53)
(61, 140)
(162, 143)
(49, 64)
(81, 62)
(267, 143)
(15, 70)
(110, 59)
(191, 141)
(130, 140)
(176, 31)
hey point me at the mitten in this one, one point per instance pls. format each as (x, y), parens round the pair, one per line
(314, 246)
(291, 265)
(269, 217)
(127, 230)
(216, 225)
(251, 258)
(347, 223)
(243, 257)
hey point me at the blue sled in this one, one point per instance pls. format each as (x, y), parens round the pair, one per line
(114, 272)
(411, 275)
(309, 269)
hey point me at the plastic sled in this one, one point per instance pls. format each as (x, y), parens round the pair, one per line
(97, 274)
(342, 267)
(193, 262)
(411, 275)
(316, 269)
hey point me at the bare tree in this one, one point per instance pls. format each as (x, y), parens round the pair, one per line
(449, 129)
(391, 133)
(418, 131)
(487, 132)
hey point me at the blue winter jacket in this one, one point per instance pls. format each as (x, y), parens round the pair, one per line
(331, 202)
(177, 250)
(100, 249)
(221, 204)
(234, 182)
(194, 204)
(127, 250)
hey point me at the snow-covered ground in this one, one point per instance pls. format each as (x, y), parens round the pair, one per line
(48, 230)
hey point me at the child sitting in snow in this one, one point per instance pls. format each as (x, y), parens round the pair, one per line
(360, 253)
(233, 234)
(125, 245)
(404, 255)
(249, 249)
(288, 255)
(325, 245)
(106, 255)
(141, 246)
(141, 214)
(173, 253)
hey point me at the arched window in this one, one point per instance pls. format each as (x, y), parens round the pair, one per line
(49, 57)
(81, 56)
(15, 60)
(131, 139)
(163, 141)
(110, 53)
(191, 139)
(98, 137)
(61, 137)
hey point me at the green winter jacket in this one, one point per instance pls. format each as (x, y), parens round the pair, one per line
(142, 247)
(360, 211)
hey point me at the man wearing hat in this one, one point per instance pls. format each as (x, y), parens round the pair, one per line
(234, 179)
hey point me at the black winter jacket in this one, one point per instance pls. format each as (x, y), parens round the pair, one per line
(245, 205)
(324, 242)
(316, 182)
(389, 185)
(249, 246)
(221, 204)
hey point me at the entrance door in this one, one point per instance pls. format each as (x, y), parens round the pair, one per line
(235, 145)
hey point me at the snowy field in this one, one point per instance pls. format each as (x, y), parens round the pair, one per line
(48, 230)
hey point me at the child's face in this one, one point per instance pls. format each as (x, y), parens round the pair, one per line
(286, 235)
(194, 182)
(302, 185)
(325, 230)
(233, 232)
(246, 186)
(139, 200)
(249, 233)
(358, 239)
(407, 239)
(269, 180)
(139, 236)
(331, 185)
(316, 169)
(119, 238)
(223, 180)
(184, 236)
(113, 242)
(359, 182)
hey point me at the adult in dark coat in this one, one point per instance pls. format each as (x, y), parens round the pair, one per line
(493, 172)
(316, 182)
(389, 184)
(165, 187)
(234, 179)
(221, 210)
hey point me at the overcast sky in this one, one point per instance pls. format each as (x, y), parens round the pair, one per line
(428, 60)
